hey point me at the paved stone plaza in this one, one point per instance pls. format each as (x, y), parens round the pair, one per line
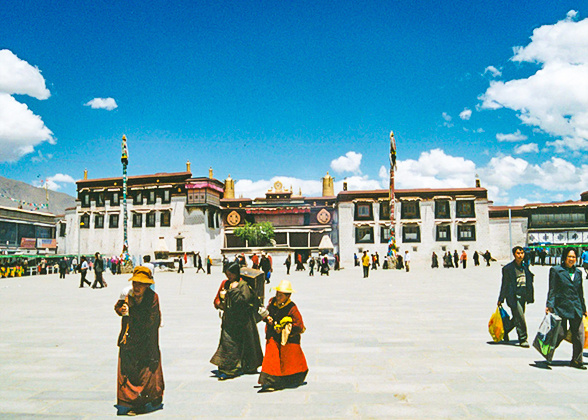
(397, 345)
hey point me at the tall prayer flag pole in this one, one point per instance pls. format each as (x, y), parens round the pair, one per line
(392, 241)
(127, 265)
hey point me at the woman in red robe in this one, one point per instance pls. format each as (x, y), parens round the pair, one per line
(284, 364)
(140, 377)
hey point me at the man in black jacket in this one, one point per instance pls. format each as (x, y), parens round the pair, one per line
(517, 289)
(98, 270)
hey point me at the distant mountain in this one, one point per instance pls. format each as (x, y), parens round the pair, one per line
(11, 190)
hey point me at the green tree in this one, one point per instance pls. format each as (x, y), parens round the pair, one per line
(256, 234)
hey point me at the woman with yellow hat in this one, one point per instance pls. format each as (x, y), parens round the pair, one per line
(140, 377)
(284, 364)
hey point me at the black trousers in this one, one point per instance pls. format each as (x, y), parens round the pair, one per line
(366, 271)
(576, 326)
(99, 279)
(83, 278)
(61, 274)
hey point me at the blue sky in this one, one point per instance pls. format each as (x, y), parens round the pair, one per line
(291, 90)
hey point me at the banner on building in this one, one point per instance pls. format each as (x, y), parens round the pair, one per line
(28, 243)
(46, 243)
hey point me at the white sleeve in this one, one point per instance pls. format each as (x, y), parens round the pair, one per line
(125, 292)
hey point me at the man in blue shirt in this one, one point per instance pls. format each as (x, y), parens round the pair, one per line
(585, 261)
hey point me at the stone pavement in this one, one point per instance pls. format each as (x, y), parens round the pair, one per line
(397, 345)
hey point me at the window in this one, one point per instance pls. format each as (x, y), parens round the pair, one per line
(364, 235)
(137, 220)
(384, 234)
(43, 232)
(466, 232)
(443, 232)
(151, 197)
(113, 222)
(85, 200)
(179, 244)
(442, 209)
(165, 196)
(100, 200)
(384, 210)
(558, 219)
(411, 233)
(98, 221)
(85, 221)
(150, 222)
(62, 229)
(138, 198)
(410, 210)
(115, 199)
(363, 211)
(165, 218)
(465, 208)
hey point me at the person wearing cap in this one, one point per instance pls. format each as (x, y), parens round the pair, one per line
(239, 349)
(140, 377)
(284, 364)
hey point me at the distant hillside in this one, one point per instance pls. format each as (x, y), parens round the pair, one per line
(19, 190)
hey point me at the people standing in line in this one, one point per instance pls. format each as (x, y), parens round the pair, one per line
(140, 382)
(476, 258)
(517, 289)
(239, 349)
(208, 265)
(434, 261)
(84, 272)
(464, 259)
(266, 267)
(98, 270)
(566, 299)
(407, 260)
(284, 364)
(199, 260)
(63, 267)
(311, 266)
(365, 262)
(180, 265)
(585, 260)
(288, 263)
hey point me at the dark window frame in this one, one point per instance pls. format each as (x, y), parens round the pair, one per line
(85, 219)
(138, 198)
(438, 210)
(460, 230)
(150, 219)
(137, 220)
(112, 218)
(163, 194)
(100, 200)
(151, 193)
(358, 229)
(404, 233)
(162, 221)
(85, 200)
(461, 213)
(113, 201)
(179, 245)
(384, 238)
(446, 228)
(384, 210)
(409, 214)
(62, 229)
(98, 221)
(369, 216)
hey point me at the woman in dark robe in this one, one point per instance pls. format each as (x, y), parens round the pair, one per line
(140, 377)
(434, 261)
(284, 364)
(239, 349)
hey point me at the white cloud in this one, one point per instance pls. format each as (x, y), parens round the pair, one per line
(521, 201)
(102, 103)
(555, 98)
(54, 182)
(465, 114)
(513, 137)
(348, 163)
(435, 169)
(527, 148)
(20, 129)
(447, 119)
(19, 77)
(493, 71)
(480, 130)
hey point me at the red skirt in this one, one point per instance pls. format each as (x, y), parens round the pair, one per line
(146, 387)
(282, 362)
